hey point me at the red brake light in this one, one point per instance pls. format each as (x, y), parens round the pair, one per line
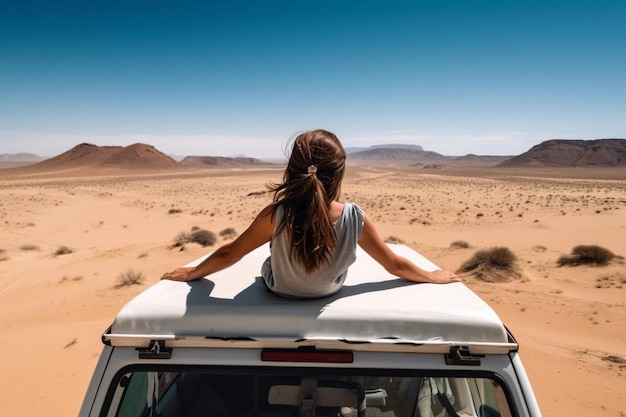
(295, 355)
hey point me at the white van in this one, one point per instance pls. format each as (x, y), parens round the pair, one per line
(224, 346)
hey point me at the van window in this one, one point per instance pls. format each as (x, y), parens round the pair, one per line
(271, 392)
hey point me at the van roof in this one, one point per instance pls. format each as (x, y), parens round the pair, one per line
(373, 310)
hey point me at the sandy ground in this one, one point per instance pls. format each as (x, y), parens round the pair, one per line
(569, 321)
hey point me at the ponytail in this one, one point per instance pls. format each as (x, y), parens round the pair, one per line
(311, 183)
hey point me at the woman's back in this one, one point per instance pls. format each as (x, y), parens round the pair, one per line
(286, 277)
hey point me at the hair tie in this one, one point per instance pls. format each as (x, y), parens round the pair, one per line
(312, 169)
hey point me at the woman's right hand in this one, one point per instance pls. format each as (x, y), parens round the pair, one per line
(179, 274)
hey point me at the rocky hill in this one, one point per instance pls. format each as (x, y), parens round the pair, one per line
(86, 156)
(573, 153)
(139, 156)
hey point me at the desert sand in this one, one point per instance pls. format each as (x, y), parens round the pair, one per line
(570, 321)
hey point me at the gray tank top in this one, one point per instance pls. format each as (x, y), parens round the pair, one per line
(288, 279)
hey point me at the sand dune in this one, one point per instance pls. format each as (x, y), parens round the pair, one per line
(66, 240)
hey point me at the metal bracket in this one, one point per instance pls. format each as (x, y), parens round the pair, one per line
(460, 355)
(308, 397)
(156, 350)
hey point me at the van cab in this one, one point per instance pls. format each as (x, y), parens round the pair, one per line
(225, 346)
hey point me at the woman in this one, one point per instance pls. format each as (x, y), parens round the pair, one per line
(313, 236)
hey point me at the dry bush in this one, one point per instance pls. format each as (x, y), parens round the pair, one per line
(174, 211)
(66, 278)
(180, 239)
(62, 250)
(29, 247)
(396, 240)
(228, 233)
(129, 277)
(197, 235)
(587, 255)
(497, 264)
(203, 237)
(459, 244)
(614, 359)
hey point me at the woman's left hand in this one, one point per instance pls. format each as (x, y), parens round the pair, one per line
(441, 276)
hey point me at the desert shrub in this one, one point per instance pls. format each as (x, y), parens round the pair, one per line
(497, 264)
(197, 235)
(459, 244)
(228, 233)
(129, 277)
(75, 278)
(181, 239)
(62, 250)
(29, 247)
(393, 239)
(587, 255)
(614, 359)
(203, 237)
(174, 211)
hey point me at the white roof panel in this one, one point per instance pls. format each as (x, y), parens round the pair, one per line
(373, 306)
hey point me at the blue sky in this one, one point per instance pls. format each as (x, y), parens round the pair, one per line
(235, 77)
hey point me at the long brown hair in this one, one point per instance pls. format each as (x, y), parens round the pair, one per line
(312, 180)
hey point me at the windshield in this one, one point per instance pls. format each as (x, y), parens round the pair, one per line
(261, 392)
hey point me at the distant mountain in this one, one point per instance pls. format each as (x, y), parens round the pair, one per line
(83, 155)
(176, 157)
(87, 156)
(573, 153)
(209, 161)
(395, 154)
(415, 155)
(142, 157)
(139, 156)
(133, 158)
(355, 149)
(472, 159)
(20, 157)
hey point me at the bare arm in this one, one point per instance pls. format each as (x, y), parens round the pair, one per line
(397, 265)
(259, 232)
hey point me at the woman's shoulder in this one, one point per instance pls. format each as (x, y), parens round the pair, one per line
(353, 210)
(353, 206)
